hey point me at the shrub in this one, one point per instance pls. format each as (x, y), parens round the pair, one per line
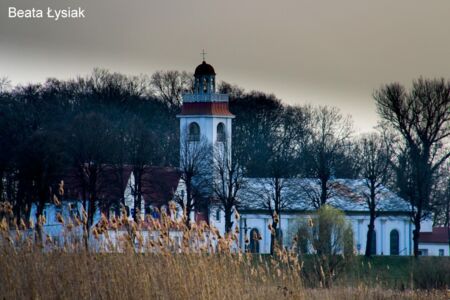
(329, 238)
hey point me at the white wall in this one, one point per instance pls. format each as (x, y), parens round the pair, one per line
(433, 248)
(289, 223)
(207, 124)
(383, 227)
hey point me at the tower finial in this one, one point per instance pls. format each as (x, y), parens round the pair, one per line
(203, 54)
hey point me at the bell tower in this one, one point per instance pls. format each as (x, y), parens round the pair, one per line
(205, 123)
(204, 114)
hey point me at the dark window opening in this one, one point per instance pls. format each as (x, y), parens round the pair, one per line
(221, 132)
(194, 132)
(394, 242)
(205, 85)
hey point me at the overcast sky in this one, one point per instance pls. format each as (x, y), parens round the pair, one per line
(316, 52)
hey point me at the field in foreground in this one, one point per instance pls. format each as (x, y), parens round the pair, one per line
(61, 275)
(200, 264)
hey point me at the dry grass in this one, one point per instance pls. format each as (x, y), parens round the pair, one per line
(199, 268)
(60, 275)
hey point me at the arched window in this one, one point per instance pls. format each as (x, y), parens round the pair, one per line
(221, 132)
(197, 85)
(254, 241)
(394, 242)
(194, 132)
(205, 85)
(373, 246)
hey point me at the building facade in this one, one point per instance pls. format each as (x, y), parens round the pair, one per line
(205, 119)
(205, 115)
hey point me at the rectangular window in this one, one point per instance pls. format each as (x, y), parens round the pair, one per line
(218, 215)
(441, 252)
(423, 252)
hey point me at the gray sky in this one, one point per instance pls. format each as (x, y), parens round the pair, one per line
(316, 52)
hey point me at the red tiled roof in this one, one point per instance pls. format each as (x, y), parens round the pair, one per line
(159, 184)
(439, 235)
(111, 183)
(205, 108)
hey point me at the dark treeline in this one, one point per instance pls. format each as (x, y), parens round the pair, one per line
(81, 125)
(110, 120)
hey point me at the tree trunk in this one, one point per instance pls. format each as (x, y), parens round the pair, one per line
(416, 234)
(189, 201)
(228, 222)
(323, 191)
(188, 215)
(22, 192)
(371, 227)
(39, 212)
(273, 237)
(94, 174)
(138, 193)
(370, 231)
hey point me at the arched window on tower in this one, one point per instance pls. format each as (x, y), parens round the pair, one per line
(197, 85)
(394, 242)
(221, 135)
(194, 132)
(205, 85)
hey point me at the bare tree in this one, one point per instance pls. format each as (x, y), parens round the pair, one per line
(374, 161)
(285, 142)
(228, 180)
(5, 84)
(170, 86)
(196, 172)
(257, 114)
(445, 205)
(109, 86)
(422, 117)
(233, 90)
(441, 206)
(90, 144)
(326, 153)
(142, 148)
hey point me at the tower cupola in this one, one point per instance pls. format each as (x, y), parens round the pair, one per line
(205, 79)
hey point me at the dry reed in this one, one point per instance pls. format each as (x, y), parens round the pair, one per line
(139, 264)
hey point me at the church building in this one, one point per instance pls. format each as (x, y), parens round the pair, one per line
(205, 119)
(205, 114)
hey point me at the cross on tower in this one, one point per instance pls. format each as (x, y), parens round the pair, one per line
(203, 54)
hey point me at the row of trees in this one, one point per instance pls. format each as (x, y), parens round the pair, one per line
(109, 119)
(81, 126)
(408, 152)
